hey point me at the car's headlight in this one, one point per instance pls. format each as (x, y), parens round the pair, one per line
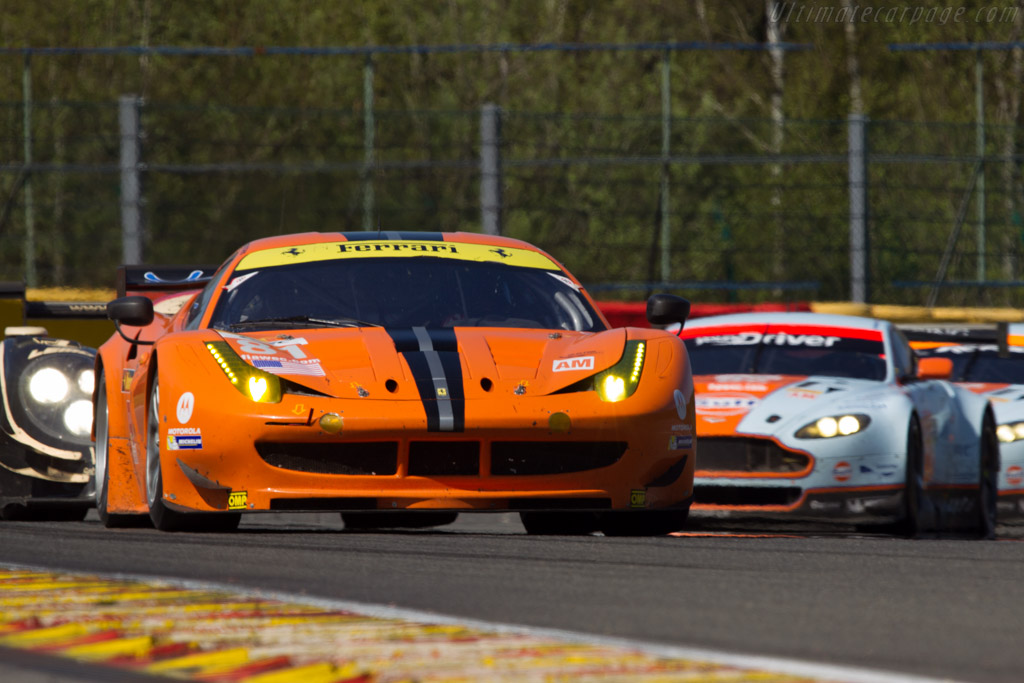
(53, 393)
(1010, 432)
(251, 382)
(834, 425)
(620, 381)
(48, 385)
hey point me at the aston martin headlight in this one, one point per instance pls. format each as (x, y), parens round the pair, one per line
(1010, 432)
(834, 425)
(621, 380)
(251, 382)
(48, 385)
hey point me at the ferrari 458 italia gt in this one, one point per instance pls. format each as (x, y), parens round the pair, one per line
(816, 416)
(989, 361)
(396, 377)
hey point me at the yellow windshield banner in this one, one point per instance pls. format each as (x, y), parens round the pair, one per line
(460, 251)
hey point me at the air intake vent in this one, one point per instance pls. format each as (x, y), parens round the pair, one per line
(746, 495)
(749, 456)
(371, 458)
(444, 458)
(518, 458)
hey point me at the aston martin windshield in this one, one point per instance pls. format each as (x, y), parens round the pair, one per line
(402, 292)
(787, 352)
(982, 362)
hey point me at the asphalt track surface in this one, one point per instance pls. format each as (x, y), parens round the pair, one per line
(945, 608)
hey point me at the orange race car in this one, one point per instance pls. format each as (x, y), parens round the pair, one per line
(396, 377)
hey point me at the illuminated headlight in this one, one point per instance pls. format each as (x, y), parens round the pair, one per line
(87, 381)
(48, 385)
(251, 382)
(1010, 432)
(621, 380)
(78, 418)
(834, 425)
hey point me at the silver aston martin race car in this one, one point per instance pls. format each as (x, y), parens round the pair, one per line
(816, 416)
(989, 361)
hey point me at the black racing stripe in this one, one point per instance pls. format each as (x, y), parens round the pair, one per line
(394, 235)
(421, 374)
(452, 365)
(445, 344)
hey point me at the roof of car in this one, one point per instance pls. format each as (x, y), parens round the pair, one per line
(295, 239)
(791, 318)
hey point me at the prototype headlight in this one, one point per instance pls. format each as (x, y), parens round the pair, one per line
(621, 380)
(48, 385)
(834, 425)
(251, 382)
(1010, 432)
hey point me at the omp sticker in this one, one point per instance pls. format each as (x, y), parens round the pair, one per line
(637, 498)
(842, 471)
(186, 402)
(734, 403)
(677, 443)
(577, 363)
(237, 500)
(680, 401)
(239, 280)
(327, 251)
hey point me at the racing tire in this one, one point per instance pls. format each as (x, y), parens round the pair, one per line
(399, 519)
(913, 523)
(988, 484)
(164, 518)
(643, 522)
(559, 523)
(102, 476)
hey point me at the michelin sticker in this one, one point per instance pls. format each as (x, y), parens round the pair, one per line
(678, 443)
(184, 439)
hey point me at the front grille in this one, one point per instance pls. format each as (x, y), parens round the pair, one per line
(444, 458)
(379, 458)
(746, 495)
(748, 455)
(509, 458)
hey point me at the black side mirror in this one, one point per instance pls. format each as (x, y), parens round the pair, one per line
(136, 311)
(665, 309)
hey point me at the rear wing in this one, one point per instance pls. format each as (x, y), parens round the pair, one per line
(922, 336)
(152, 281)
(82, 321)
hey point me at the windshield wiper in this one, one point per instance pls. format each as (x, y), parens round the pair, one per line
(303, 320)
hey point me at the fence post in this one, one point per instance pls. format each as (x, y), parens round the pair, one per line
(490, 169)
(369, 129)
(30, 214)
(860, 282)
(131, 195)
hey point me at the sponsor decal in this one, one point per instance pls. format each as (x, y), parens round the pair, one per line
(725, 403)
(685, 427)
(186, 402)
(744, 386)
(804, 394)
(184, 442)
(287, 366)
(825, 505)
(1014, 475)
(299, 409)
(253, 347)
(565, 281)
(680, 401)
(150, 276)
(887, 470)
(237, 500)
(842, 471)
(638, 498)
(678, 443)
(126, 380)
(776, 338)
(757, 379)
(239, 280)
(577, 363)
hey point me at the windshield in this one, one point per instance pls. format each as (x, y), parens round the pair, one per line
(402, 292)
(806, 351)
(981, 362)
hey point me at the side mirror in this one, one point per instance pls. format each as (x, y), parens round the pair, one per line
(934, 368)
(665, 309)
(136, 311)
